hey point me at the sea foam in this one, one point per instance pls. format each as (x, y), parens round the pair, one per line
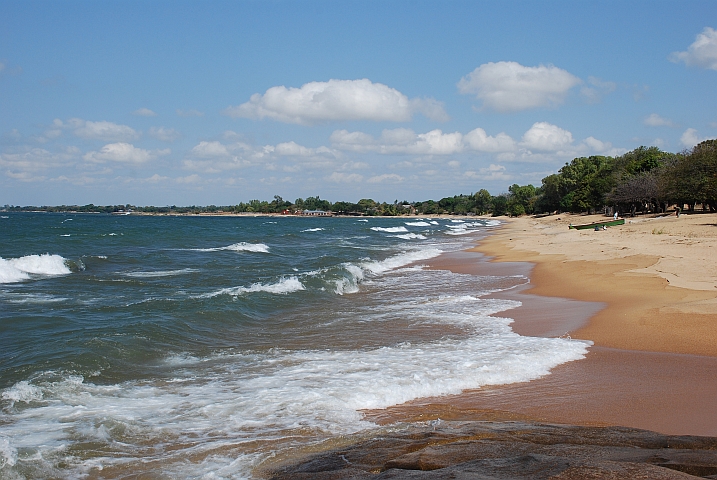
(160, 273)
(14, 270)
(237, 247)
(389, 229)
(283, 286)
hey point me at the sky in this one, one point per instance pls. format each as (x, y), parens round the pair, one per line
(213, 102)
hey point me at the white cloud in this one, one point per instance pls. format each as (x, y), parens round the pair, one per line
(597, 89)
(144, 112)
(546, 137)
(123, 153)
(400, 141)
(340, 177)
(164, 134)
(36, 159)
(386, 177)
(690, 138)
(106, 131)
(491, 173)
(511, 87)
(215, 156)
(655, 120)
(318, 102)
(189, 113)
(702, 53)
(478, 140)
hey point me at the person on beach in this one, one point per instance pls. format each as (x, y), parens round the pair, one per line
(614, 215)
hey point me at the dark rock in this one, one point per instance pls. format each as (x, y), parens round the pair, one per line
(511, 450)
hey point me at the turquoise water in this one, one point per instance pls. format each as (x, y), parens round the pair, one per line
(203, 346)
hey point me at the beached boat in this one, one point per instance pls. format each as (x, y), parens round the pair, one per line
(607, 223)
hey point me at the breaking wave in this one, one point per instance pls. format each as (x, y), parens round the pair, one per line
(14, 270)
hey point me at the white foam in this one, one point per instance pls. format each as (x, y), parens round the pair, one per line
(400, 260)
(253, 396)
(390, 229)
(282, 287)
(14, 270)
(433, 222)
(363, 220)
(160, 273)
(35, 298)
(312, 230)
(492, 223)
(8, 454)
(458, 221)
(410, 236)
(237, 247)
(418, 224)
(65, 235)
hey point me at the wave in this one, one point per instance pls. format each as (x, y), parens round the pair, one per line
(160, 273)
(237, 247)
(14, 270)
(35, 298)
(313, 229)
(418, 224)
(410, 236)
(389, 229)
(282, 287)
(400, 260)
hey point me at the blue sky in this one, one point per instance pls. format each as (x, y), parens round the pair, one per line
(220, 102)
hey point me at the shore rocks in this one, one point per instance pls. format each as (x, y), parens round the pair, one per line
(510, 450)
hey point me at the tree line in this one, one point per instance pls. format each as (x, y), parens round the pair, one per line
(645, 179)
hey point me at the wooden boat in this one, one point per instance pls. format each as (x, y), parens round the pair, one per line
(607, 223)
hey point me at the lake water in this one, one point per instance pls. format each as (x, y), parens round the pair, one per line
(200, 347)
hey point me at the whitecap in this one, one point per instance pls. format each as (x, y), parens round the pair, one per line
(362, 220)
(418, 224)
(237, 247)
(313, 229)
(400, 260)
(410, 236)
(282, 287)
(14, 270)
(389, 229)
(160, 273)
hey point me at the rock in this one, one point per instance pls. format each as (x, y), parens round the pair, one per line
(480, 450)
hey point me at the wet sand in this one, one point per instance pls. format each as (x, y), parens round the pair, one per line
(654, 360)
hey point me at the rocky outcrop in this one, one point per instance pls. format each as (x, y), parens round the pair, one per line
(511, 450)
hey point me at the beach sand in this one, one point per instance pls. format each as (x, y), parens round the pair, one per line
(645, 293)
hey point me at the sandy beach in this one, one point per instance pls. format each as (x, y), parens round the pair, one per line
(645, 293)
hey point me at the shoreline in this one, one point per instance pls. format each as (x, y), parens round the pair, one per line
(655, 345)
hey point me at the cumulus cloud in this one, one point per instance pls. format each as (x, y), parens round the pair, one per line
(511, 87)
(479, 140)
(400, 141)
(546, 137)
(702, 53)
(123, 153)
(335, 100)
(164, 134)
(655, 120)
(144, 112)
(690, 138)
(106, 131)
